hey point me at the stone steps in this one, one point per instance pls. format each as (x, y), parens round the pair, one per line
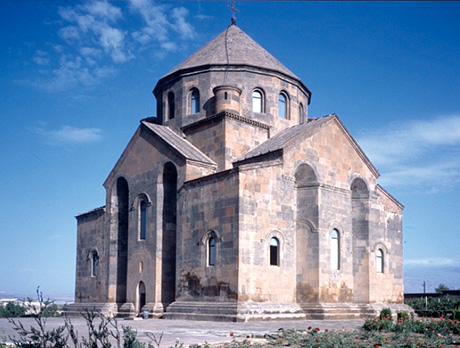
(335, 311)
(78, 309)
(243, 312)
(232, 311)
(214, 311)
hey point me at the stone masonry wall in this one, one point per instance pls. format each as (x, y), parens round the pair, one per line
(209, 137)
(90, 238)
(266, 211)
(387, 286)
(208, 207)
(240, 137)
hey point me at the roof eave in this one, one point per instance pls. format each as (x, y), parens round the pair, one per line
(390, 196)
(358, 149)
(175, 75)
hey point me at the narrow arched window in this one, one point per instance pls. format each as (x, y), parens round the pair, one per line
(212, 251)
(274, 252)
(94, 263)
(195, 101)
(282, 106)
(143, 220)
(335, 250)
(171, 106)
(257, 101)
(301, 113)
(379, 261)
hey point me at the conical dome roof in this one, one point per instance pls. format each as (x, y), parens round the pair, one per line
(234, 47)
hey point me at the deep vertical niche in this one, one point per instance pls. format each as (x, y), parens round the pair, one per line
(169, 234)
(360, 235)
(307, 239)
(122, 239)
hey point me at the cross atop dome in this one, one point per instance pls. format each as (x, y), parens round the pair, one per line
(234, 11)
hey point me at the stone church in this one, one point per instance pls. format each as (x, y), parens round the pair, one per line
(233, 204)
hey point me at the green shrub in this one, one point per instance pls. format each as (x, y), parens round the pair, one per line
(385, 313)
(378, 324)
(456, 314)
(433, 306)
(52, 310)
(101, 330)
(403, 316)
(12, 310)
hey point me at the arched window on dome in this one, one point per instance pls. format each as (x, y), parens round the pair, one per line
(194, 101)
(257, 101)
(283, 106)
(301, 113)
(171, 106)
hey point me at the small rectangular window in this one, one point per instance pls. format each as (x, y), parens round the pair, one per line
(171, 105)
(94, 264)
(379, 261)
(274, 252)
(143, 220)
(335, 250)
(212, 251)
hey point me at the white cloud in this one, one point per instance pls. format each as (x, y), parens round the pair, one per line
(417, 152)
(432, 176)
(91, 55)
(104, 9)
(71, 135)
(417, 275)
(71, 72)
(41, 58)
(69, 33)
(159, 26)
(94, 22)
(97, 36)
(155, 19)
(169, 46)
(432, 262)
(203, 17)
(180, 23)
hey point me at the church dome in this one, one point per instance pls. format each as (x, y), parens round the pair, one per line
(233, 47)
(267, 91)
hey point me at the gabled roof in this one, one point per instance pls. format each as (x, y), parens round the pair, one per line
(292, 136)
(182, 146)
(171, 139)
(99, 210)
(288, 137)
(234, 47)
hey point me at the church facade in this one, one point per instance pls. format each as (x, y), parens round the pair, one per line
(234, 204)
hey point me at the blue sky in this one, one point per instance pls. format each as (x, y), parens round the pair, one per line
(76, 78)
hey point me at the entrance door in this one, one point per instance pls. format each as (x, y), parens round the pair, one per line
(140, 297)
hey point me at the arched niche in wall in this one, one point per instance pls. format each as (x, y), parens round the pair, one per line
(122, 205)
